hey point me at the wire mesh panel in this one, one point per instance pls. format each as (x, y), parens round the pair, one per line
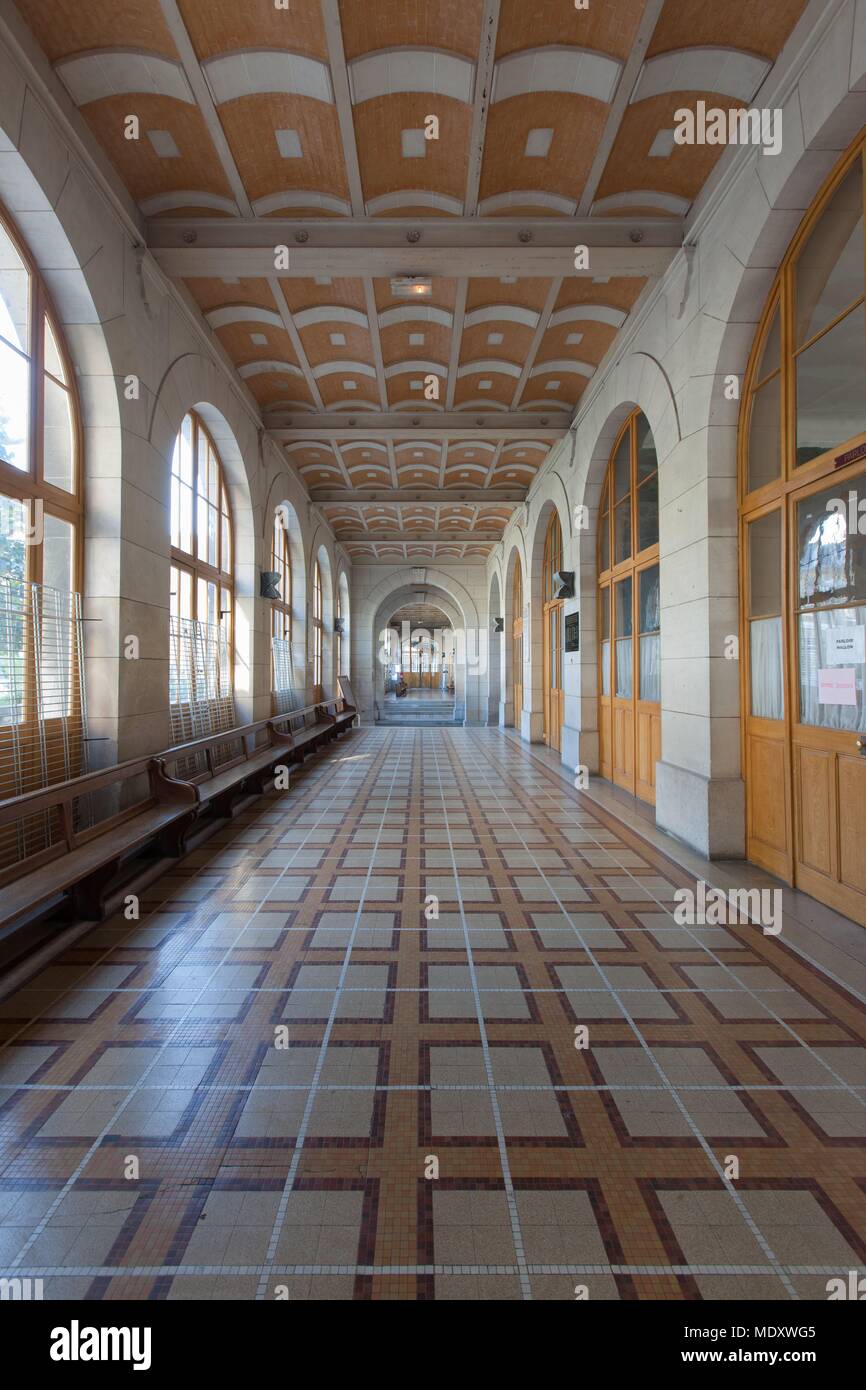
(283, 676)
(200, 688)
(42, 705)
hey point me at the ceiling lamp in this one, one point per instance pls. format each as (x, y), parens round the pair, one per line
(411, 286)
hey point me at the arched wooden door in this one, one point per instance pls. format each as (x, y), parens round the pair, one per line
(803, 557)
(517, 641)
(554, 696)
(629, 613)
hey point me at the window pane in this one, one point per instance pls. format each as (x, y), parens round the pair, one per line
(58, 554)
(14, 533)
(624, 661)
(648, 513)
(647, 462)
(185, 450)
(765, 440)
(821, 669)
(765, 565)
(769, 360)
(622, 531)
(829, 274)
(831, 402)
(53, 360)
(14, 295)
(201, 527)
(212, 521)
(59, 440)
(649, 615)
(604, 553)
(622, 467)
(14, 408)
(648, 600)
(765, 667)
(832, 560)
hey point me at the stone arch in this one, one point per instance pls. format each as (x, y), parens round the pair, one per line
(321, 556)
(532, 725)
(297, 560)
(495, 650)
(508, 715)
(445, 589)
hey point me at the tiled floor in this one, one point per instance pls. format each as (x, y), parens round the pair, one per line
(291, 1077)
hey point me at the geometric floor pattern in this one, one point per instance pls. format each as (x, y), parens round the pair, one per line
(340, 1055)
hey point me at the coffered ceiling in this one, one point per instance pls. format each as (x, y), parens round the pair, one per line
(418, 423)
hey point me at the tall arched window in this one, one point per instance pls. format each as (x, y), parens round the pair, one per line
(202, 585)
(282, 672)
(517, 639)
(629, 614)
(802, 472)
(338, 631)
(552, 607)
(318, 624)
(41, 684)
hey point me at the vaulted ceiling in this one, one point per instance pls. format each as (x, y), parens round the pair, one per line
(305, 126)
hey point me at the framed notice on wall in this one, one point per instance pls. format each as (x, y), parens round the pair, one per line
(572, 632)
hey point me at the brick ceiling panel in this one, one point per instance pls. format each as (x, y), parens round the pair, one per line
(146, 173)
(576, 123)
(354, 342)
(527, 293)
(63, 27)
(227, 26)
(454, 25)
(380, 124)
(594, 341)
(211, 294)
(397, 345)
(240, 341)
(679, 175)
(500, 390)
(759, 28)
(511, 341)
(337, 394)
(273, 389)
(606, 28)
(311, 294)
(408, 387)
(251, 124)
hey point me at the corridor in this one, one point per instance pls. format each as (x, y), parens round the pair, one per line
(341, 1053)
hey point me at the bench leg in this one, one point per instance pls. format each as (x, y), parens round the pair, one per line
(172, 839)
(88, 896)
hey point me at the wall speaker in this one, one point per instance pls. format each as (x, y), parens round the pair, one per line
(563, 584)
(498, 624)
(269, 584)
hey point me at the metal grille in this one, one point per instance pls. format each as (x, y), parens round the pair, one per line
(200, 686)
(42, 705)
(283, 675)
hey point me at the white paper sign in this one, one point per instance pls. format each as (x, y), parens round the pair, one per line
(846, 645)
(837, 686)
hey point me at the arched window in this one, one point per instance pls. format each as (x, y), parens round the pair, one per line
(802, 474)
(318, 624)
(554, 697)
(629, 612)
(41, 684)
(338, 631)
(517, 639)
(281, 564)
(282, 666)
(202, 585)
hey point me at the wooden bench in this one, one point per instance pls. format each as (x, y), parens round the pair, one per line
(203, 779)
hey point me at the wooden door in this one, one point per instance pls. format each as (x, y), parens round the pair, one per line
(622, 698)
(554, 696)
(827, 649)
